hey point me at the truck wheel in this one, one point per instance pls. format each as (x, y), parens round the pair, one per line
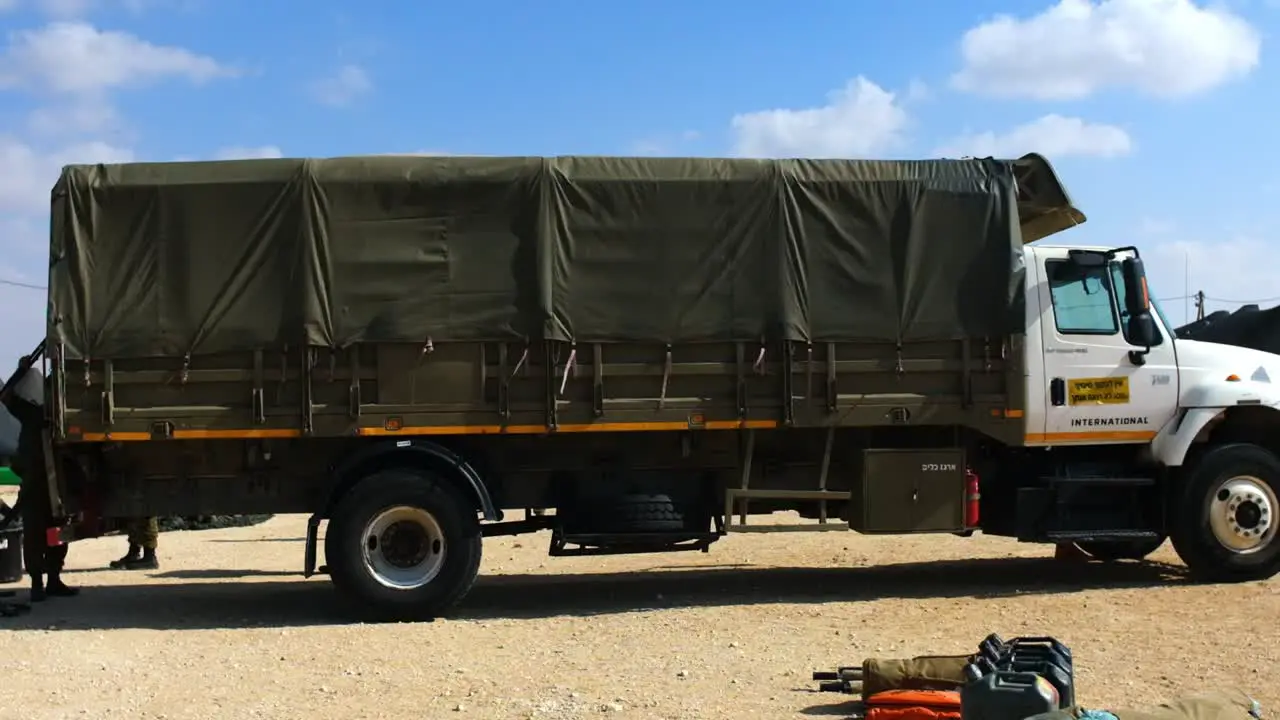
(1224, 524)
(1111, 551)
(404, 545)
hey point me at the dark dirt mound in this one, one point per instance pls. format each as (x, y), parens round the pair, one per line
(1248, 327)
(209, 522)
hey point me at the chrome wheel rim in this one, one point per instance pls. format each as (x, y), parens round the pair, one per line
(1242, 514)
(403, 547)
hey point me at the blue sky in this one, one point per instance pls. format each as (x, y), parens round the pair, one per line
(1158, 114)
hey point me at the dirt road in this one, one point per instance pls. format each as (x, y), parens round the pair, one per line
(227, 629)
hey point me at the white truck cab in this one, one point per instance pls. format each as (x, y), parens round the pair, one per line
(1104, 368)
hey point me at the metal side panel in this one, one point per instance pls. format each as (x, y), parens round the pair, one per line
(911, 491)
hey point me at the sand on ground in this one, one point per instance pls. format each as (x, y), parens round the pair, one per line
(228, 628)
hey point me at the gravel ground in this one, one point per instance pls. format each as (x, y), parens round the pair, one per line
(228, 629)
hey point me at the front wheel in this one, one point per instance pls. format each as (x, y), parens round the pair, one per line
(1224, 522)
(403, 545)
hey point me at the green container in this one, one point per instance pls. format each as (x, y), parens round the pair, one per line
(7, 477)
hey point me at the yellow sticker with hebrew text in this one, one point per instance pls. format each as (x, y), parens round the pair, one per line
(1098, 391)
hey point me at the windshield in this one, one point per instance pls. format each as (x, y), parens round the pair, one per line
(1164, 320)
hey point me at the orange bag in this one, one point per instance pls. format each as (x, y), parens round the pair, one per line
(914, 705)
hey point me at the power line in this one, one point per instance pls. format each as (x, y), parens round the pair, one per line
(16, 283)
(1259, 301)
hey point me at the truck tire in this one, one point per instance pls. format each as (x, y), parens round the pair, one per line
(403, 545)
(1112, 551)
(639, 513)
(626, 513)
(1224, 524)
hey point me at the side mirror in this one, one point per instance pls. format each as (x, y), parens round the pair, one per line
(1136, 300)
(1142, 325)
(1142, 329)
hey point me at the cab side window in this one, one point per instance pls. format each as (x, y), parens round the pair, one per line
(1083, 299)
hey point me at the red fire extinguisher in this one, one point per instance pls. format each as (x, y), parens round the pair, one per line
(972, 499)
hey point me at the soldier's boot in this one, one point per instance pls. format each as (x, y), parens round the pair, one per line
(134, 554)
(147, 561)
(56, 588)
(37, 588)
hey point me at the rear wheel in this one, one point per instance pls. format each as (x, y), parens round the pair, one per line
(403, 545)
(1224, 524)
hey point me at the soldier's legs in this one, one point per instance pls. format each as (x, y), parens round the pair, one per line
(55, 558)
(135, 551)
(143, 535)
(34, 519)
(44, 563)
(148, 535)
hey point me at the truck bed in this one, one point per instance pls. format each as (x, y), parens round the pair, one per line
(375, 296)
(476, 388)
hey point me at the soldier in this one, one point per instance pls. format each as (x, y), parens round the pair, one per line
(44, 563)
(143, 534)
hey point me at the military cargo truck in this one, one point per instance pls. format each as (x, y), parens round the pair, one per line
(635, 355)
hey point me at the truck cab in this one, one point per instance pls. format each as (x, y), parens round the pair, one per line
(1117, 399)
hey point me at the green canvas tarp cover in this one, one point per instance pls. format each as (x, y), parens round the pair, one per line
(162, 259)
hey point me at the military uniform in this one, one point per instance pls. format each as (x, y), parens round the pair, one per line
(143, 535)
(44, 564)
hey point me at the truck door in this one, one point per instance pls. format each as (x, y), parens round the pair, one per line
(1098, 387)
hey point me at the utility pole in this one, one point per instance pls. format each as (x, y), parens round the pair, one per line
(1200, 305)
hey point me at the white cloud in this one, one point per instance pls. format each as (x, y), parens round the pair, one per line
(1053, 136)
(75, 68)
(76, 57)
(248, 153)
(30, 174)
(1163, 48)
(1230, 270)
(918, 91)
(25, 186)
(22, 324)
(92, 113)
(24, 244)
(859, 120)
(24, 252)
(344, 86)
